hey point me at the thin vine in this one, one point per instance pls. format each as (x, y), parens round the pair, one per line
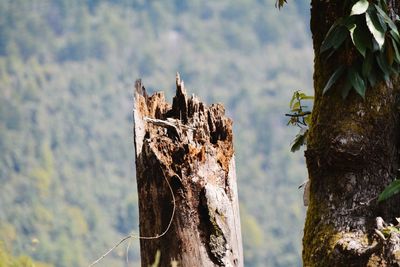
(133, 236)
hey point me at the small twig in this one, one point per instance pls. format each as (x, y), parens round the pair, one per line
(302, 114)
(143, 237)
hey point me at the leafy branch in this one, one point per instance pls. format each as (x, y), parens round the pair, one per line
(390, 190)
(375, 37)
(299, 116)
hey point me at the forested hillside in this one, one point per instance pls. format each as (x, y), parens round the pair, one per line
(67, 70)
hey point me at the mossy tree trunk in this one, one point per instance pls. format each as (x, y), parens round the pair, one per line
(352, 154)
(186, 172)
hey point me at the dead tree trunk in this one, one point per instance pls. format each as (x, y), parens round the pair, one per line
(185, 149)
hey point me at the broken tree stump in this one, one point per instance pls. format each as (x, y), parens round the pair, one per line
(185, 149)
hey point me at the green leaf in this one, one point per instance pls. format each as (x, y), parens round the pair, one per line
(383, 65)
(392, 26)
(383, 4)
(367, 65)
(361, 38)
(378, 21)
(294, 97)
(392, 229)
(299, 140)
(334, 38)
(390, 190)
(356, 81)
(296, 110)
(329, 55)
(335, 76)
(348, 21)
(359, 8)
(386, 18)
(378, 36)
(303, 96)
(373, 77)
(396, 68)
(296, 106)
(346, 89)
(307, 97)
(308, 119)
(389, 229)
(375, 46)
(396, 51)
(395, 36)
(351, 30)
(390, 53)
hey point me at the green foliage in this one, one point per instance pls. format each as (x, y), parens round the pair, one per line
(335, 76)
(360, 7)
(390, 191)
(375, 36)
(389, 229)
(300, 116)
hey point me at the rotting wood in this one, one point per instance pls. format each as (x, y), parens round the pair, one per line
(190, 145)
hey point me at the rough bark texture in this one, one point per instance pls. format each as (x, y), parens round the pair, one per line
(189, 145)
(352, 154)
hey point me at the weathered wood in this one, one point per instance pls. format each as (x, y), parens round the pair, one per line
(188, 145)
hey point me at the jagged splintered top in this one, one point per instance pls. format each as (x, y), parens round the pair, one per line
(188, 111)
(189, 144)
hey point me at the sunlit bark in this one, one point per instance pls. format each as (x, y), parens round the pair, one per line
(352, 154)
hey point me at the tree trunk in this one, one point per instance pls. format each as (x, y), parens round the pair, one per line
(186, 148)
(352, 154)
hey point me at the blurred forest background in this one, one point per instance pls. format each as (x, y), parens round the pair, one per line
(67, 70)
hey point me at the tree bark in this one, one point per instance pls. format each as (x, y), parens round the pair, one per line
(352, 155)
(186, 147)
